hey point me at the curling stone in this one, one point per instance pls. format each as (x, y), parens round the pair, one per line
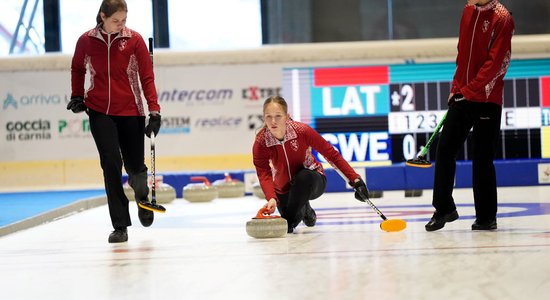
(229, 188)
(164, 193)
(376, 194)
(413, 193)
(257, 191)
(265, 226)
(199, 192)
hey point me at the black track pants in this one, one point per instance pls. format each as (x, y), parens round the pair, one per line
(120, 140)
(484, 120)
(306, 185)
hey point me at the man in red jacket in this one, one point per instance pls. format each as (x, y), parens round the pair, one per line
(475, 103)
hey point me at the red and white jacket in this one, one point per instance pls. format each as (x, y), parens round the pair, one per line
(277, 161)
(117, 64)
(484, 51)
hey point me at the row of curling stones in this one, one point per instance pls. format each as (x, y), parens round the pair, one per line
(205, 191)
(199, 192)
(376, 194)
(413, 193)
(408, 193)
(257, 191)
(164, 192)
(265, 226)
(229, 187)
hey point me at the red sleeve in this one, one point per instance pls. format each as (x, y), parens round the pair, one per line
(330, 154)
(78, 68)
(147, 75)
(454, 85)
(260, 156)
(497, 61)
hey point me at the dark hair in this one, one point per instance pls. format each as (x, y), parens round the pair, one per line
(109, 7)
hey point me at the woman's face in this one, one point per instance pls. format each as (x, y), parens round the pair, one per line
(114, 23)
(275, 119)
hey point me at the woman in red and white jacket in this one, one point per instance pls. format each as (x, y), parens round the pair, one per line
(289, 174)
(118, 62)
(475, 104)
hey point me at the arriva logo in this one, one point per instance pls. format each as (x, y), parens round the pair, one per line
(9, 101)
(33, 100)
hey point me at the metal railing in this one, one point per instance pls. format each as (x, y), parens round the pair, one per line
(28, 29)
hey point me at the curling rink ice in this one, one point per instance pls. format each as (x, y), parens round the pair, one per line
(201, 251)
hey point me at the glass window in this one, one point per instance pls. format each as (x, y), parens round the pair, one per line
(228, 24)
(193, 25)
(79, 16)
(214, 24)
(367, 20)
(21, 27)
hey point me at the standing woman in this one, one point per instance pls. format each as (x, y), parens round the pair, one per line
(118, 61)
(475, 108)
(289, 174)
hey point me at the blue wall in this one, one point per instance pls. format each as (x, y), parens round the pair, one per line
(396, 177)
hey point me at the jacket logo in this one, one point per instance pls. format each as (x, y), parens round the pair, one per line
(294, 145)
(485, 26)
(122, 44)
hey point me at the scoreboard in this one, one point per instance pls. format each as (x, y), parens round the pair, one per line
(385, 114)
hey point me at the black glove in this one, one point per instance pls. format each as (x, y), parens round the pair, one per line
(76, 105)
(361, 191)
(456, 98)
(153, 126)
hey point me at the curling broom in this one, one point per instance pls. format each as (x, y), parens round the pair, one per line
(387, 224)
(420, 160)
(152, 206)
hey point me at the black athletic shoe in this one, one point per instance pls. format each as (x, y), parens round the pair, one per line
(310, 217)
(438, 221)
(485, 225)
(291, 227)
(118, 236)
(146, 217)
